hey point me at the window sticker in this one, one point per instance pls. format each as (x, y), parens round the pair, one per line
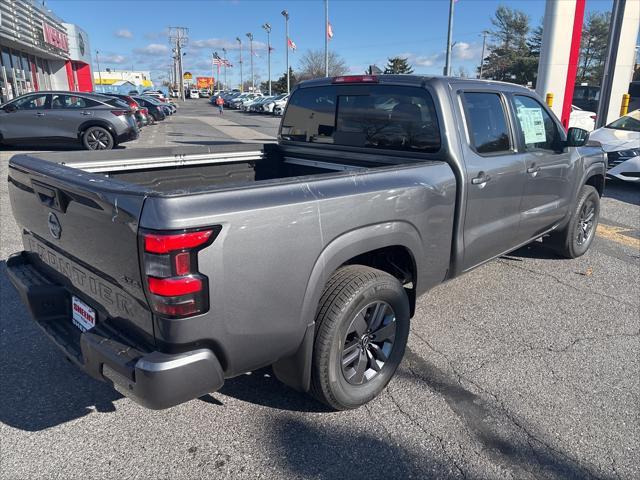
(532, 125)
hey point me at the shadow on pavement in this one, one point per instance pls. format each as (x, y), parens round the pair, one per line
(508, 440)
(623, 191)
(309, 451)
(262, 388)
(39, 389)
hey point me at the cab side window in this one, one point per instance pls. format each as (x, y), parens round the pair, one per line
(486, 123)
(539, 130)
(71, 101)
(32, 102)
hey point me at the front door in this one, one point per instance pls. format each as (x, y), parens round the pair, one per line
(495, 176)
(25, 118)
(549, 167)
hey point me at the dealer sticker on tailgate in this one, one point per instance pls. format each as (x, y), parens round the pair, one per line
(83, 316)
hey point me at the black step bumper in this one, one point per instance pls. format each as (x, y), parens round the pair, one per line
(153, 379)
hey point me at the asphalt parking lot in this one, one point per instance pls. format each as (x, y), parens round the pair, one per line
(528, 367)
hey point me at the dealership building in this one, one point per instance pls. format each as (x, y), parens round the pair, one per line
(39, 51)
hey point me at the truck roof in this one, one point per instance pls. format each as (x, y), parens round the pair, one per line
(415, 80)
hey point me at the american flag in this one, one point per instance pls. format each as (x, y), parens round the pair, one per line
(217, 60)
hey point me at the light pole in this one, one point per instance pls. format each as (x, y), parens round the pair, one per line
(253, 79)
(224, 52)
(241, 82)
(326, 38)
(285, 14)
(99, 73)
(267, 28)
(484, 43)
(447, 66)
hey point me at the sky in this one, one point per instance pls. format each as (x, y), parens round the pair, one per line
(132, 34)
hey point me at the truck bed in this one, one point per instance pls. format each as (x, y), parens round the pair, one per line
(171, 171)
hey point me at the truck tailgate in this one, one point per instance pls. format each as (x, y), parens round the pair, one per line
(82, 232)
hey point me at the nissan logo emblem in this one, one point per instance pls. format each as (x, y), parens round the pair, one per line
(54, 225)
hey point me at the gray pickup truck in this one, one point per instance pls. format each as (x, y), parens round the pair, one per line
(167, 274)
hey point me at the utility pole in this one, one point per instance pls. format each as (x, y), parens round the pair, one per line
(285, 14)
(178, 36)
(253, 79)
(226, 85)
(447, 66)
(267, 28)
(326, 38)
(98, 62)
(241, 82)
(484, 43)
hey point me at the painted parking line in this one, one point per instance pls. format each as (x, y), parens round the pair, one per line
(619, 235)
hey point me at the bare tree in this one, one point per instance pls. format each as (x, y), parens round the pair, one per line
(312, 65)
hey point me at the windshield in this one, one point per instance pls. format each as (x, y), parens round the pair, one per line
(630, 122)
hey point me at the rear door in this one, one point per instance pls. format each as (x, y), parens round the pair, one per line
(549, 166)
(68, 112)
(495, 176)
(28, 120)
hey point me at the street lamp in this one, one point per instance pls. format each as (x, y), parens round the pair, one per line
(99, 73)
(285, 14)
(241, 82)
(267, 28)
(253, 79)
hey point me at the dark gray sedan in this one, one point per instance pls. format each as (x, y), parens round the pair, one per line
(96, 121)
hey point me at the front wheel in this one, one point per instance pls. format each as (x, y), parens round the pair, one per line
(575, 239)
(97, 138)
(362, 328)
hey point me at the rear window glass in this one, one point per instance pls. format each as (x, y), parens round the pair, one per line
(388, 117)
(486, 123)
(118, 102)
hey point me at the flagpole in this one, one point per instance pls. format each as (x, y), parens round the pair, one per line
(326, 38)
(213, 57)
(285, 14)
(225, 86)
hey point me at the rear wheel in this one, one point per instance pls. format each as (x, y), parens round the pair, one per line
(575, 239)
(362, 327)
(97, 138)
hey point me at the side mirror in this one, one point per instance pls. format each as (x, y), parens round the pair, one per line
(9, 108)
(577, 137)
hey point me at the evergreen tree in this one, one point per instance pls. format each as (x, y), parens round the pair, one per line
(280, 85)
(593, 48)
(398, 65)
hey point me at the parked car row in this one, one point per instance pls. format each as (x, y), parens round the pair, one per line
(253, 101)
(96, 121)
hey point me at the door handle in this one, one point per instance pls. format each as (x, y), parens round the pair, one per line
(481, 179)
(87, 113)
(533, 168)
(39, 114)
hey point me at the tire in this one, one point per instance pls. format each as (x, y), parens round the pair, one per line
(355, 294)
(97, 138)
(575, 239)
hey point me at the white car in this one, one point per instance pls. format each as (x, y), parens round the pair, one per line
(194, 93)
(279, 100)
(155, 93)
(582, 119)
(174, 93)
(621, 141)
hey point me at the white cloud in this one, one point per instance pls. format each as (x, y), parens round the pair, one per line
(123, 33)
(152, 49)
(466, 51)
(220, 43)
(112, 59)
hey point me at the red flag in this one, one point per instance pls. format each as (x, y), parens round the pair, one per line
(329, 31)
(291, 44)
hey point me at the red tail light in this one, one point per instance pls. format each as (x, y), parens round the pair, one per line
(593, 117)
(119, 113)
(175, 287)
(356, 79)
(144, 111)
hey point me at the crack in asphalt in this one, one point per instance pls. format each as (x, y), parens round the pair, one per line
(562, 282)
(468, 415)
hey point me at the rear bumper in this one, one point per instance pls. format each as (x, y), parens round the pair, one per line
(131, 133)
(153, 379)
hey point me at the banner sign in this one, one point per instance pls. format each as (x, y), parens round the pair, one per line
(55, 37)
(204, 82)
